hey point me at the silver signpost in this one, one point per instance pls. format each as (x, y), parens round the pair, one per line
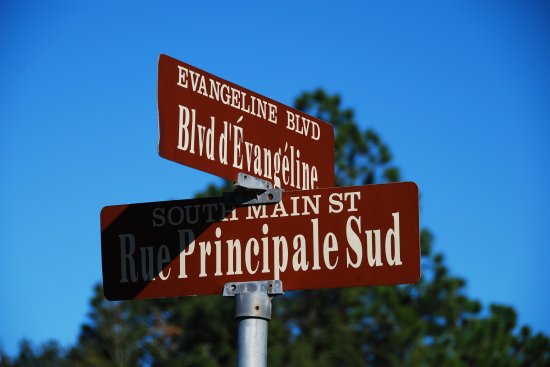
(253, 313)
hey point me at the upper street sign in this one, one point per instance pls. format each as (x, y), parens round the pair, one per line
(323, 238)
(216, 126)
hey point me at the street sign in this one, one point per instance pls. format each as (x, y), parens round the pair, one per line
(323, 238)
(216, 126)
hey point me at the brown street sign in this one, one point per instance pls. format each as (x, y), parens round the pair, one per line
(208, 123)
(324, 238)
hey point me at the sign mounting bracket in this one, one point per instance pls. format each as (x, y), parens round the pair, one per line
(250, 190)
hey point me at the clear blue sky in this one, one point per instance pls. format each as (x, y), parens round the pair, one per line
(460, 90)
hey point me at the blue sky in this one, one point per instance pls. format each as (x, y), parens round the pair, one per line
(459, 90)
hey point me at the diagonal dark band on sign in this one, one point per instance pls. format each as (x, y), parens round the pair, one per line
(139, 253)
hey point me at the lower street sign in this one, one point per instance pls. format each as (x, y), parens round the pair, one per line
(323, 238)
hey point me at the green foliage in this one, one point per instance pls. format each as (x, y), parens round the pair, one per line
(48, 355)
(431, 323)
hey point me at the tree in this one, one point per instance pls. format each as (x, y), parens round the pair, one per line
(431, 323)
(48, 355)
(114, 336)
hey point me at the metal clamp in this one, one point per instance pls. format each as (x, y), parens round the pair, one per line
(252, 183)
(253, 299)
(251, 190)
(269, 287)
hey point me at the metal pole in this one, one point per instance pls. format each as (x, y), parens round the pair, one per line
(253, 312)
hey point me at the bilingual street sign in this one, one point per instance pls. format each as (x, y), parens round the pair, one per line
(322, 238)
(213, 125)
